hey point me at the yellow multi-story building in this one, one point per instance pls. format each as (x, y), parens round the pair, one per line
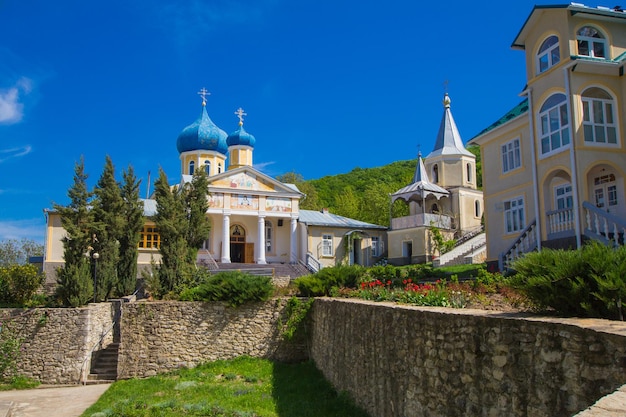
(554, 166)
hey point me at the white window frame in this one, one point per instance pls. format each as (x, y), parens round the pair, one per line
(207, 167)
(514, 216)
(549, 54)
(593, 38)
(327, 245)
(376, 246)
(511, 156)
(563, 197)
(554, 126)
(608, 189)
(599, 125)
(192, 167)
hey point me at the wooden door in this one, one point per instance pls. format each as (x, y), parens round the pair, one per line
(249, 253)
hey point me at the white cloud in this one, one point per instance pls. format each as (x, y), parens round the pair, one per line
(6, 154)
(28, 229)
(11, 109)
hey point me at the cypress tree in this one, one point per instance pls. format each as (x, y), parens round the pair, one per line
(74, 278)
(129, 239)
(108, 212)
(196, 202)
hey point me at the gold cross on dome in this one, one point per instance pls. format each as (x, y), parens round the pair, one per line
(240, 113)
(204, 93)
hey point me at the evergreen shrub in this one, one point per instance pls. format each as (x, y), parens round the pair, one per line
(590, 282)
(233, 287)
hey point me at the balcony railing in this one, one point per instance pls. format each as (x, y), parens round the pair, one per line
(423, 219)
(603, 226)
(526, 242)
(560, 223)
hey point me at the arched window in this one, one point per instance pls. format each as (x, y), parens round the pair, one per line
(599, 116)
(477, 208)
(554, 123)
(207, 167)
(548, 54)
(219, 168)
(192, 166)
(435, 173)
(434, 208)
(469, 172)
(591, 42)
(269, 235)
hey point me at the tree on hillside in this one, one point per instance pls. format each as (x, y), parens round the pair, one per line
(17, 252)
(347, 203)
(74, 278)
(129, 238)
(310, 201)
(375, 202)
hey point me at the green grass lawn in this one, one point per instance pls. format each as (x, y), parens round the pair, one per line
(243, 387)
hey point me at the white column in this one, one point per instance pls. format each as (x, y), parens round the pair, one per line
(293, 256)
(261, 235)
(226, 239)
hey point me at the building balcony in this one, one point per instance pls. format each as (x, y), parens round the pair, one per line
(421, 220)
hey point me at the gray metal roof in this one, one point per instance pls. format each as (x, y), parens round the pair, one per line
(448, 139)
(421, 185)
(318, 218)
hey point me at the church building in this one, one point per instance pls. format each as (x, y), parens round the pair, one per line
(443, 195)
(255, 219)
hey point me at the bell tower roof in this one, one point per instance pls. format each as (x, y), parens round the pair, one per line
(448, 139)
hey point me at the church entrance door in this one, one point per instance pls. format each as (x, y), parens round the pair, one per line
(237, 244)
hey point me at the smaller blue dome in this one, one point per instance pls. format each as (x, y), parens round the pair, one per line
(202, 134)
(240, 137)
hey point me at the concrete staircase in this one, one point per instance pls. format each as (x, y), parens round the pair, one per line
(104, 365)
(472, 251)
(292, 271)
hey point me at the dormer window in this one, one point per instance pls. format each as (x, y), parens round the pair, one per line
(591, 42)
(549, 54)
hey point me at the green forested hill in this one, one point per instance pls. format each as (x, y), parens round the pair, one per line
(362, 193)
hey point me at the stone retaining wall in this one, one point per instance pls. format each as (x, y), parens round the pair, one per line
(410, 361)
(57, 342)
(160, 336)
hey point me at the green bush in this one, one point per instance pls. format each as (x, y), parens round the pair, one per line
(19, 283)
(233, 287)
(325, 280)
(590, 282)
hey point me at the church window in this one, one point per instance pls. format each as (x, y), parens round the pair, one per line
(149, 237)
(591, 42)
(434, 209)
(269, 236)
(477, 212)
(192, 166)
(469, 172)
(514, 215)
(207, 167)
(435, 173)
(598, 117)
(554, 124)
(549, 54)
(511, 158)
(219, 168)
(327, 245)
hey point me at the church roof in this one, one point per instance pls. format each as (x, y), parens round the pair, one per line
(448, 139)
(421, 185)
(240, 136)
(202, 134)
(327, 219)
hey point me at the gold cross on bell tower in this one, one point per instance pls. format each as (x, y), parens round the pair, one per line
(204, 93)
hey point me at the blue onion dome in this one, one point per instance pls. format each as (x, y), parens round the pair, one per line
(202, 134)
(240, 136)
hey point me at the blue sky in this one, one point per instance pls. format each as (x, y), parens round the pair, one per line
(327, 85)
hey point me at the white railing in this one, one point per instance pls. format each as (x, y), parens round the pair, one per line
(560, 223)
(423, 219)
(526, 242)
(312, 263)
(603, 226)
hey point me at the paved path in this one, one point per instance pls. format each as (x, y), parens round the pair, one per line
(50, 401)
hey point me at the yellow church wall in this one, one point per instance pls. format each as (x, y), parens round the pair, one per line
(54, 238)
(216, 160)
